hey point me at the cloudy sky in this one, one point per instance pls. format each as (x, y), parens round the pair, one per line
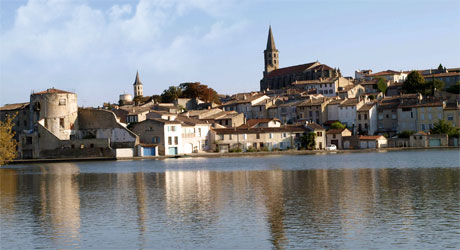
(95, 47)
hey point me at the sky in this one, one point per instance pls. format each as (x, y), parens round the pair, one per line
(94, 48)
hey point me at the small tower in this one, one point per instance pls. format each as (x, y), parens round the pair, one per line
(137, 86)
(271, 53)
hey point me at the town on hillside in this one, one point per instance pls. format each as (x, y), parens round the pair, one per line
(302, 107)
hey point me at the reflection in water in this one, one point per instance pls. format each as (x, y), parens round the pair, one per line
(274, 208)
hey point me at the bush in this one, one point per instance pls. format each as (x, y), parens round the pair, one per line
(235, 150)
(251, 149)
(406, 134)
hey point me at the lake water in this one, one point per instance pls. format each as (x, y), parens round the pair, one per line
(387, 200)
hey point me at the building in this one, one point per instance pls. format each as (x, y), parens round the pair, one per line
(325, 86)
(138, 86)
(245, 105)
(218, 117)
(167, 135)
(313, 110)
(390, 75)
(449, 78)
(278, 78)
(195, 135)
(21, 113)
(351, 91)
(348, 112)
(367, 119)
(451, 114)
(335, 136)
(425, 140)
(333, 109)
(372, 141)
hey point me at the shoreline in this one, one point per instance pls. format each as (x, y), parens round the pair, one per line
(216, 155)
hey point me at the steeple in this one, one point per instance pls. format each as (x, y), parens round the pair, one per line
(271, 53)
(270, 41)
(137, 81)
(138, 88)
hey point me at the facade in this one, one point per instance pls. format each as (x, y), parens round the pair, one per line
(351, 91)
(449, 78)
(245, 106)
(195, 135)
(21, 111)
(367, 119)
(313, 110)
(335, 136)
(348, 113)
(451, 114)
(325, 86)
(372, 141)
(390, 75)
(278, 78)
(425, 140)
(167, 135)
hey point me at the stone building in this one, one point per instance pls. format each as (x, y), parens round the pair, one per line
(21, 112)
(278, 78)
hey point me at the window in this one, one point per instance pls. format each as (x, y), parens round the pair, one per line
(365, 116)
(359, 116)
(230, 137)
(411, 114)
(284, 135)
(440, 116)
(176, 140)
(245, 136)
(310, 113)
(319, 133)
(422, 116)
(257, 136)
(62, 101)
(270, 136)
(450, 117)
(221, 137)
(61, 122)
(317, 113)
(169, 140)
(387, 116)
(429, 117)
(333, 136)
(28, 140)
(171, 128)
(423, 126)
(393, 116)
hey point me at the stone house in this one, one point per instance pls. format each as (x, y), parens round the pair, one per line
(347, 112)
(424, 140)
(335, 136)
(391, 75)
(367, 119)
(22, 117)
(451, 114)
(329, 87)
(313, 110)
(372, 141)
(245, 105)
(351, 91)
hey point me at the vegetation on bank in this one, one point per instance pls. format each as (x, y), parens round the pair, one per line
(7, 142)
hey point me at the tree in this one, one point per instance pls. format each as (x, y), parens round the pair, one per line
(443, 127)
(337, 125)
(382, 85)
(431, 85)
(198, 90)
(7, 142)
(307, 140)
(454, 89)
(406, 134)
(440, 67)
(171, 94)
(415, 83)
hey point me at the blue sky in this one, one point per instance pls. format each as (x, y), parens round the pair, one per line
(95, 47)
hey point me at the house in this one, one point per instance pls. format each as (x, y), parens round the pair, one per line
(21, 121)
(218, 116)
(451, 113)
(390, 75)
(195, 135)
(263, 138)
(333, 109)
(329, 87)
(428, 113)
(449, 78)
(320, 134)
(387, 112)
(367, 119)
(424, 140)
(287, 112)
(245, 104)
(335, 136)
(372, 141)
(167, 135)
(262, 123)
(351, 91)
(347, 112)
(313, 110)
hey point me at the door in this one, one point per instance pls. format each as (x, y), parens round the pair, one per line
(149, 151)
(435, 142)
(172, 151)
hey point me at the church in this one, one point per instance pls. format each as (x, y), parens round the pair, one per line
(278, 78)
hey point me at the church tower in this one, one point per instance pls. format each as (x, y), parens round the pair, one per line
(271, 53)
(137, 86)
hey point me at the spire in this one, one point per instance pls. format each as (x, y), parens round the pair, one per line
(137, 81)
(270, 42)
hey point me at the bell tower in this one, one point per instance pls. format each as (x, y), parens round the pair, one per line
(138, 91)
(271, 53)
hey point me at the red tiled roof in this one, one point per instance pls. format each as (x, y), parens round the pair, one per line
(370, 137)
(52, 90)
(386, 72)
(297, 69)
(252, 122)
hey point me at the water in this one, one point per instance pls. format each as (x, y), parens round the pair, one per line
(390, 200)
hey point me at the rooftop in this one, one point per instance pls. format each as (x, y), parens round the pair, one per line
(52, 91)
(14, 106)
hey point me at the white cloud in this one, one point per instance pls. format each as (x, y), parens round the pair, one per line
(72, 39)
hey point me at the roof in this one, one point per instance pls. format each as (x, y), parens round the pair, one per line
(253, 122)
(370, 137)
(366, 107)
(189, 120)
(386, 72)
(335, 131)
(335, 101)
(14, 106)
(270, 41)
(317, 81)
(350, 102)
(52, 91)
(239, 130)
(442, 75)
(347, 88)
(297, 69)
(420, 133)
(161, 121)
(247, 100)
(312, 102)
(137, 81)
(314, 126)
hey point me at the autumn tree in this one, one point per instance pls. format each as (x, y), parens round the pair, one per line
(198, 90)
(7, 142)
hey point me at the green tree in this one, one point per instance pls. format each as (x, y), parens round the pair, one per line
(443, 127)
(7, 142)
(171, 94)
(338, 125)
(307, 140)
(440, 67)
(382, 85)
(415, 83)
(454, 89)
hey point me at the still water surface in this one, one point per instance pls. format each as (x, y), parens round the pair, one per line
(392, 200)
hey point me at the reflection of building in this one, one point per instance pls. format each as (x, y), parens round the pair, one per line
(59, 192)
